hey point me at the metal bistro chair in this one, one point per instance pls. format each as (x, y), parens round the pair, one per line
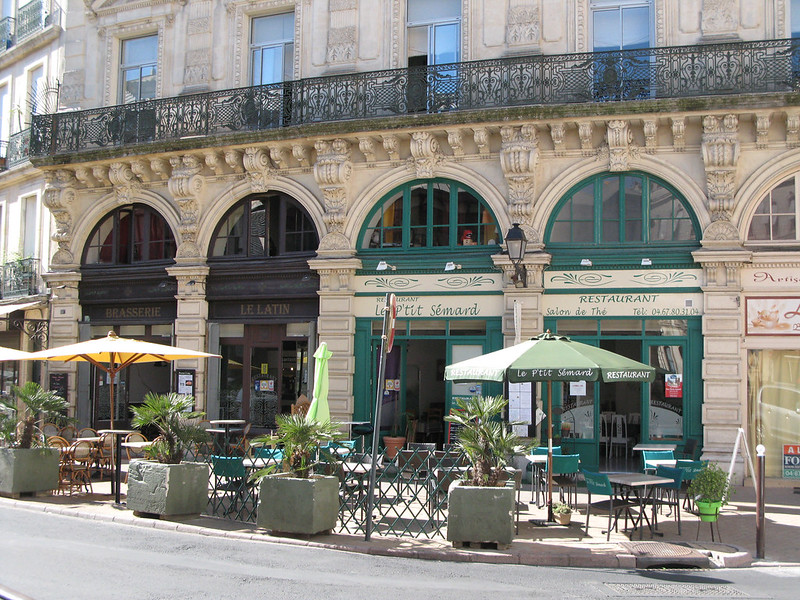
(538, 473)
(565, 475)
(599, 485)
(648, 455)
(77, 466)
(669, 493)
(690, 470)
(230, 481)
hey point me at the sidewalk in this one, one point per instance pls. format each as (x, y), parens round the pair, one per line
(550, 545)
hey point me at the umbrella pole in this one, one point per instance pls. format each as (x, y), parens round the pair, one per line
(111, 397)
(550, 451)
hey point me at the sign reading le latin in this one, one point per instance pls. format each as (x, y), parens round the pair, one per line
(270, 309)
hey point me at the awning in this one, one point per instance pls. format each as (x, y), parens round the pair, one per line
(7, 309)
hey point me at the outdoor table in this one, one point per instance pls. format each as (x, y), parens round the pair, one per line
(226, 430)
(662, 462)
(117, 433)
(634, 482)
(538, 461)
(655, 447)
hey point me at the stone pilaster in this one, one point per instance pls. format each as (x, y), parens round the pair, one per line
(190, 324)
(332, 172)
(519, 156)
(530, 297)
(186, 184)
(723, 356)
(336, 326)
(65, 312)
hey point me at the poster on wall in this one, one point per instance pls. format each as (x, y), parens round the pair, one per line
(772, 316)
(185, 378)
(673, 385)
(791, 461)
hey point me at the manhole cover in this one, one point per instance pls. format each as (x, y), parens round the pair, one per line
(671, 590)
(659, 554)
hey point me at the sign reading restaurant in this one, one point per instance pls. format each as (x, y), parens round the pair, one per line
(622, 305)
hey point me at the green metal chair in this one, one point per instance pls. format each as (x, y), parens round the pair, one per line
(538, 474)
(690, 470)
(599, 485)
(565, 475)
(230, 481)
(669, 493)
(648, 455)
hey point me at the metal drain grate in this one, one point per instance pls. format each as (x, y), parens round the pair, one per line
(661, 554)
(673, 590)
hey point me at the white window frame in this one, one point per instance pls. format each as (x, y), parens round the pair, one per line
(123, 68)
(284, 45)
(432, 25)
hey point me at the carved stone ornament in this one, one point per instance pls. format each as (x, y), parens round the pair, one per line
(332, 172)
(618, 137)
(185, 185)
(481, 137)
(100, 173)
(722, 230)
(59, 194)
(235, 160)
(679, 133)
(425, 153)
(522, 28)
(342, 44)
(301, 154)
(720, 149)
(126, 184)
(585, 135)
(650, 127)
(719, 17)
(392, 146)
(519, 155)
(367, 147)
(161, 168)
(257, 167)
(455, 139)
(792, 130)
(557, 131)
(762, 130)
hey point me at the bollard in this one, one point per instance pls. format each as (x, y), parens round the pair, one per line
(760, 501)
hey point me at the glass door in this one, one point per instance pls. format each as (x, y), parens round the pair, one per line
(263, 402)
(664, 418)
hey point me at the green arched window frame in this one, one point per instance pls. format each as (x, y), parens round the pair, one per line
(430, 216)
(620, 218)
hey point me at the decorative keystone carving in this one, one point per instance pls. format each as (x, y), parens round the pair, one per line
(678, 133)
(392, 146)
(425, 153)
(650, 127)
(719, 231)
(455, 140)
(279, 156)
(332, 172)
(585, 135)
(720, 147)
(126, 184)
(161, 168)
(793, 129)
(557, 131)
(185, 185)
(301, 155)
(366, 146)
(258, 168)
(762, 130)
(235, 160)
(59, 194)
(481, 137)
(619, 138)
(519, 155)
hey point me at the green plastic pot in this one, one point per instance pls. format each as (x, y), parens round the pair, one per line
(708, 511)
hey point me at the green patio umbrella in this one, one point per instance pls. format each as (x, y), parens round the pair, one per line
(549, 358)
(319, 402)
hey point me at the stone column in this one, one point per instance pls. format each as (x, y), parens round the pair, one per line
(723, 357)
(190, 324)
(336, 326)
(530, 297)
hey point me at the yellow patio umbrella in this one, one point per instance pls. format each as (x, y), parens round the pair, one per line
(113, 353)
(9, 354)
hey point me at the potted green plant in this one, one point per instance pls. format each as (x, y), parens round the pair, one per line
(27, 464)
(562, 513)
(710, 489)
(297, 500)
(163, 483)
(481, 505)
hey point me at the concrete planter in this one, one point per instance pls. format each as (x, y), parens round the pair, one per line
(28, 470)
(167, 490)
(292, 505)
(480, 515)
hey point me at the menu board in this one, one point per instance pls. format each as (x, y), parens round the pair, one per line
(59, 383)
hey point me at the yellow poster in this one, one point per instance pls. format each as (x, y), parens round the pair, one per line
(265, 368)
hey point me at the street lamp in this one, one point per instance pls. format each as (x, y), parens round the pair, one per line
(516, 242)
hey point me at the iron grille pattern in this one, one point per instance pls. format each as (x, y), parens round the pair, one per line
(625, 75)
(30, 19)
(20, 278)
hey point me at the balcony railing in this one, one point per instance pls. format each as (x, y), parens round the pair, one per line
(628, 75)
(20, 278)
(30, 19)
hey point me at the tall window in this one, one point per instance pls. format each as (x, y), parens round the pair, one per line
(138, 69)
(265, 226)
(272, 48)
(777, 218)
(621, 25)
(129, 235)
(794, 18)
(5, 117)
(622, 213)
(431, 214)
(434, 32)
(31, 220)
(36, 93)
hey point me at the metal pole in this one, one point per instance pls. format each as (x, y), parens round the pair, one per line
(760, 521)
(377, 425)
(550, 451)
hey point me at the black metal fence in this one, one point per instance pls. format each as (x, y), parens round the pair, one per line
(672, 72)
(20, 278)
(29, 20)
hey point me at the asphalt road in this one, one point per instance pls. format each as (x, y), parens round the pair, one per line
(59, 557)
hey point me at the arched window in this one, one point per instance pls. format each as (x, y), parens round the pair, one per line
(622, 216)
(265, 225)
(429, 215)
(777, 219)
(130, 235)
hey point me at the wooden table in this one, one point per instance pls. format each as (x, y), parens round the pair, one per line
(634, 482)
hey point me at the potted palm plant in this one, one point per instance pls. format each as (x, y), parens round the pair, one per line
(27, 465)
(481, 505)
(163, 483)
(710, 489)
(296, 499)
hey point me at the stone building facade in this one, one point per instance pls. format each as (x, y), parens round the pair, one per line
(286, 163)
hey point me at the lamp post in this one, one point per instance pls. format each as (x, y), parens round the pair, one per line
(516, 242)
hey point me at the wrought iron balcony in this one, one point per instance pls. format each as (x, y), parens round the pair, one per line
(630, 75)
(16, 150)
(20, 278)
(30, 19)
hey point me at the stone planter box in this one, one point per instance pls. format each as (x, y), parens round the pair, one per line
(167, 490)
(28, 470)
(292, 505)
(478, 515)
